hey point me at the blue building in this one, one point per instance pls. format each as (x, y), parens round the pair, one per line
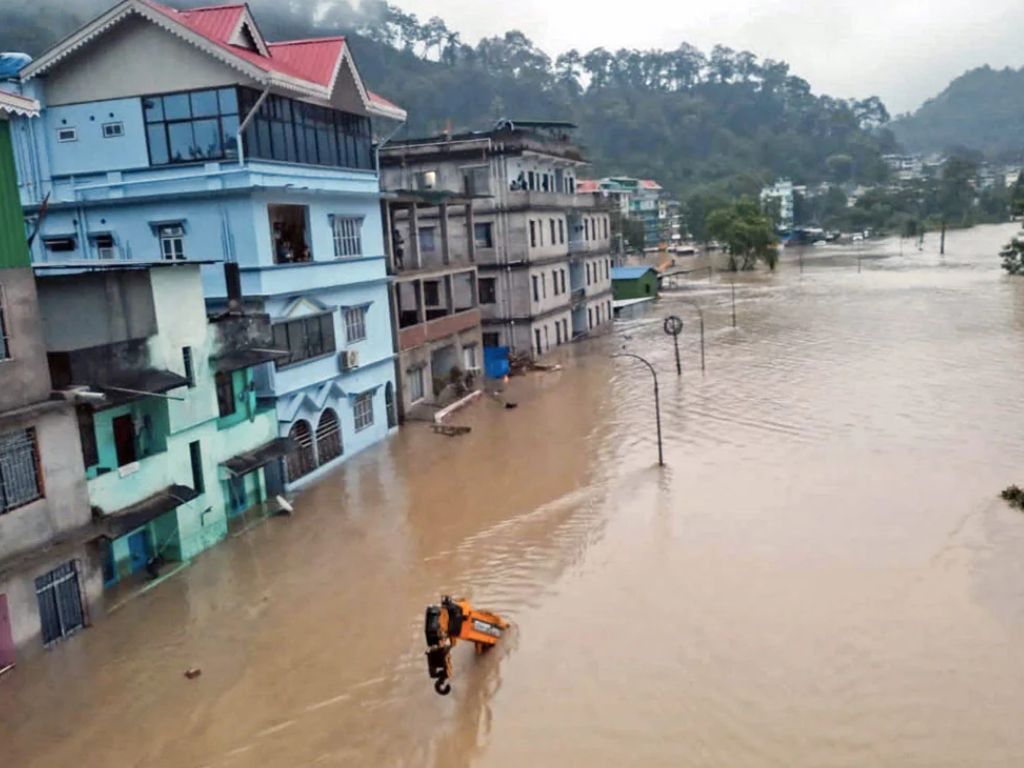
(186, 135)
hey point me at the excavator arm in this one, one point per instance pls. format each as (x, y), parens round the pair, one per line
(448, 623)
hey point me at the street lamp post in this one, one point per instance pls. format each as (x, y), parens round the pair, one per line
(673, 327)
(657, 400)
(700, 313)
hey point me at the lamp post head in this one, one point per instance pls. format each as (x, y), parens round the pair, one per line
(673, 325)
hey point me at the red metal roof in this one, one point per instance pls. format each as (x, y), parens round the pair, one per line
(584, 186)
(649, 184)
(314, 61)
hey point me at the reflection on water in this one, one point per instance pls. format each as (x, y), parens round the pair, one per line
(822, 576)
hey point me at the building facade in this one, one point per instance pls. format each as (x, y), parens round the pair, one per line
(187, 136)
(48, 568)
(434, 303)
(173, 440)
(541, 249)
(781, 194)
(642, 201)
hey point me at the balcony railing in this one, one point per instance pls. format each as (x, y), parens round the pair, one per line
(432, 330)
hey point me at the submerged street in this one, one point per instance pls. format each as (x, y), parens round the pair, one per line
(822, 575)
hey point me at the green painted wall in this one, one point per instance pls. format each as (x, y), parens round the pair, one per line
(13, 248)
(640, 288)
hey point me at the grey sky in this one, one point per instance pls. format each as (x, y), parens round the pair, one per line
(903, 51)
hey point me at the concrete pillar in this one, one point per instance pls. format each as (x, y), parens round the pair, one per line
(445, 245)
(389, 246)
(421, 303)
(471, 233)
(414, 237)
(449, 287)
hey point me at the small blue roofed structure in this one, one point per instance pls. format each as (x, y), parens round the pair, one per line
(631, 283)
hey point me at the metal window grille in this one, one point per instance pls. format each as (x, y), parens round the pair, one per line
(60, 603)
(363, 410)
(5, 345)
(347, 236)
(19, 469)
(302, 459)
(328, 437)
(355, 324)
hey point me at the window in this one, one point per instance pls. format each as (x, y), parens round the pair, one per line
(328, 437)
(558, 333)
(533, 180)
(64, 244)
(605, 227)
(607, 269)
(301, 459)
(432, 293)
(362, 410)
(415, 384)
(483, 235)
(355, 324)
(104, 244)
(469, 357)
(190, 372)
(60, 603)
(305, 338)
(5, 341)
(563, 281)
(588, 273)
(590, 317)
(426, 180)
(124, 440)
(488, 290)
(20, 482)
(565, 329)
(561, 231)
(347, 235)
(113, 130)
(586, 229)
(544, 284)
(67, 134)
(536, 288)
(428, 241)
(87, 435)
(172, 241)
(533, 234)
(536, 338)
(492, 339)
(225, 385)
(288, 234)
(191, 127)
(554, 231)
(296, 132)
(478, 180)
(195, 455)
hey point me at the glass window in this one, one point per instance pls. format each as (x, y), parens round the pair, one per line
(172, 242)
(483, 234)
(204, 104)
(179, 138)
(362, 410)
(355, 324)
(176, 107)
(415, 384)
(228, 100)
(154, 109)
(487, 289)
(225, 393)
(207, 139)
(469, 357)
(305, 338)
(428, 243)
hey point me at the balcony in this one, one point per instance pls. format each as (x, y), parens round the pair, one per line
(434, 330)
(578, 296)
(539, 199)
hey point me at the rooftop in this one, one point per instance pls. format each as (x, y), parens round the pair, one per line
(630, 273)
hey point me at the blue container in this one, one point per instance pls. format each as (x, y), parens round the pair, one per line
(496, 362)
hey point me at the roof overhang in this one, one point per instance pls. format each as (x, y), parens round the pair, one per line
(250, 461)
(129, 518)
(161, 17)
(17, 105)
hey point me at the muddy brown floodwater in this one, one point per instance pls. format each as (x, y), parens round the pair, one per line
(823, 574)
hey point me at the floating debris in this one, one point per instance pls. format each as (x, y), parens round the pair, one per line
(193, 672)
(1015, 496)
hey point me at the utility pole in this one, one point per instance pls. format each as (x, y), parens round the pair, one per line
(657, 401)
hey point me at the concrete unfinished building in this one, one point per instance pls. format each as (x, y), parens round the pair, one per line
(542, 250)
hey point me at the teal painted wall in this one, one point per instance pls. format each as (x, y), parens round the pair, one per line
(199, 524)
(13, 246)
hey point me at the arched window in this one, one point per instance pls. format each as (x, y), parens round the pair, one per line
(328, 437)
(302, 458)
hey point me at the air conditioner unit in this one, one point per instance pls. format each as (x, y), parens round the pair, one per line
(426, 180)
(348, 359)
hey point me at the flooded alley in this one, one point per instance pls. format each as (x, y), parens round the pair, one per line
(822, 575)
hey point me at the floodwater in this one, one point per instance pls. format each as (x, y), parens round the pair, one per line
(822, 575)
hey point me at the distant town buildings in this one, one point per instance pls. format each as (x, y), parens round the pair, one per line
(643, 201)
(541, 248)
(780, 194)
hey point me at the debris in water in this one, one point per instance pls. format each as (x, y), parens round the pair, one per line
(193, 672)
(451, 430)
(1015, 496)
(511, 406)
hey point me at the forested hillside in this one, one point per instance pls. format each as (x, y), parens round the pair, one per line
(723, 121)
(981, 110)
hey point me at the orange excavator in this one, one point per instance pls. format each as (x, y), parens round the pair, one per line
(449, 622)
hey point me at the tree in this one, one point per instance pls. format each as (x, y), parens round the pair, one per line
(840, 167)
(746, 232)
(1013, 257)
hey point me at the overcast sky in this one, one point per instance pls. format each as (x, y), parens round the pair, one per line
(902, 50)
